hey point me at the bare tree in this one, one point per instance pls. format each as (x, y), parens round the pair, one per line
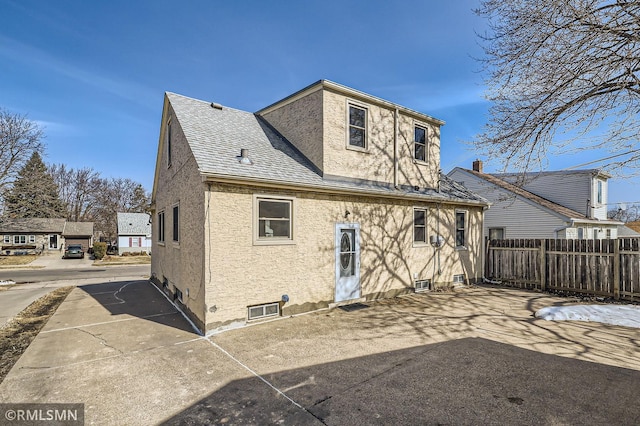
(118, 195)
(20, 138)
(78, 189)
(568, 67)
(626, 214)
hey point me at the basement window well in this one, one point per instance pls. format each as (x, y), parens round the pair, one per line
(263, 311)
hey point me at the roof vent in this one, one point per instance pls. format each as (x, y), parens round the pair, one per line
(244, 156)
(216, 105)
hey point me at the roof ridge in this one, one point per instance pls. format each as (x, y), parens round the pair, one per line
(558, 208)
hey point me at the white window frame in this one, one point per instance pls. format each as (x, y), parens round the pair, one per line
(458, 278)
(425, 226)
(365, 148)
(424, 127)
(465, 229)
(264, 310)
(257, 240)
(599, 191)
(32, 239)
(7, 239)
(19, 239)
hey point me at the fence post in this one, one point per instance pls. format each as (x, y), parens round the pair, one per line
(616, 269)
(543, 265)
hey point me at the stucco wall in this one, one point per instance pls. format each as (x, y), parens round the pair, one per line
(180, 263)
(301, 123)
(240, 274)
(376, 163)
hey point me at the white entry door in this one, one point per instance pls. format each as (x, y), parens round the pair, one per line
(347, 261)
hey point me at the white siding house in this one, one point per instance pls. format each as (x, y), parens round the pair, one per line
(565, 204)
(134, 233)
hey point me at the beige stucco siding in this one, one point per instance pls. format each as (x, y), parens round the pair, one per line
(300, 121)
(181, 263)
(376, 162)
(240, 273)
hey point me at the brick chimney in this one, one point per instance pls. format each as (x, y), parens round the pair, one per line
(477, 166)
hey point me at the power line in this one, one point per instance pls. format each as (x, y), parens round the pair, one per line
(602, 159)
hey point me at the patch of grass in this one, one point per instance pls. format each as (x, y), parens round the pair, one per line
(17, 260)
(123, 260)
(17, 334)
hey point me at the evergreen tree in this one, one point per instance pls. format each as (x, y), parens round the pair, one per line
(34, 193)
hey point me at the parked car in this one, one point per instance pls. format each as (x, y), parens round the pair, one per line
(74, 251)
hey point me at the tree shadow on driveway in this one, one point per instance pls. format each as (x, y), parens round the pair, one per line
(464, 381)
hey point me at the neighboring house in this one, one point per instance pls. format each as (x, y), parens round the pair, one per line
(134, 233)
(329, 196)
(563, 204)
(626, 232)
(635, 225)
(38, 234)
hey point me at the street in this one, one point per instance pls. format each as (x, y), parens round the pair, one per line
(82, 272)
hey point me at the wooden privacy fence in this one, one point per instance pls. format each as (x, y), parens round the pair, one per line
(599, 267)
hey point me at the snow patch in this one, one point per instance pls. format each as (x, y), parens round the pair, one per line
(7, 282)
(625, 315)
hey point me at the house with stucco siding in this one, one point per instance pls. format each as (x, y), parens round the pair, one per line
(329, 196)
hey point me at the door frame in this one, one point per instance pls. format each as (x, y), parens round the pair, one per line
(356, 228)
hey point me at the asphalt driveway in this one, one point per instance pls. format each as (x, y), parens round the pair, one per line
(476, 356)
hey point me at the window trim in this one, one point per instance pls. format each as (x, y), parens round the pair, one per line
(599, 191)
(504, 232)
(161, 227)
(426, 142)
(264, 241)
(355, 104)
(7, 239)
(464, 229)
(175, 223)
(264, 310)
(168, 142)
(425, 226)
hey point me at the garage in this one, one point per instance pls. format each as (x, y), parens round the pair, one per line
(78, 233)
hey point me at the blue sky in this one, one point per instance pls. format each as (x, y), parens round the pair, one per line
(93, 74)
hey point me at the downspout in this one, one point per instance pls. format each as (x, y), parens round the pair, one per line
(438, 232)
(396, 126)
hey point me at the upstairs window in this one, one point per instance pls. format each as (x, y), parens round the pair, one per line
(461, 230)
(420, 143)
(419, 226)
(168, 142)
(357, 127)
(599, 196)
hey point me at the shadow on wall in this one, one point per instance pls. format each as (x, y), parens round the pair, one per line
(465, 381)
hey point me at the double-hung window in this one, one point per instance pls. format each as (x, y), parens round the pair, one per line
(461, 228)
(357, 127)
(420, 143)
(19, 239)
(419, 226)
(7, 239)
(273, 220)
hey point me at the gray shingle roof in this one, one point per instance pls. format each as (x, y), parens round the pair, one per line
(134, 224)
(78, 229)
(32, 225)
(216, 137)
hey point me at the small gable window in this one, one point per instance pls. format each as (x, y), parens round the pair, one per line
(161, 227)
(168, 142)
(176, 223)
(420, 143)
(357, 127)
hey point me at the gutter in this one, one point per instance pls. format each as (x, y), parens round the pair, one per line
(243, 181)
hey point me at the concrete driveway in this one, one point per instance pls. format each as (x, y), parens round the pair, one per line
(476, 356)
